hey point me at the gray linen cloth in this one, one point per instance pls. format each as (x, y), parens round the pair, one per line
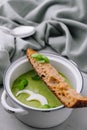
(59, 24)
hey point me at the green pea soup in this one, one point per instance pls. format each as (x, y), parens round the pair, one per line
(35, 84)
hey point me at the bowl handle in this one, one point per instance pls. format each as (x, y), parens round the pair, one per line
(9, 108)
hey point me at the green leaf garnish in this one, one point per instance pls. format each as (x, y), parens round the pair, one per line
(46, 106)
(37, 56)
(41, 61)
(22, 84)
(35, 77)
(45, 58)
(40, 58)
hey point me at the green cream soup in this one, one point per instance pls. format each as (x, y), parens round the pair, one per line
(30, 81)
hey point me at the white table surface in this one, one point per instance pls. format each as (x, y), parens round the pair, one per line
(76, 121)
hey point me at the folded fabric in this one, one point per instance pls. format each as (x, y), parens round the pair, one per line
(59, 24)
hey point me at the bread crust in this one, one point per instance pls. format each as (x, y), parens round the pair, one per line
(56, 83)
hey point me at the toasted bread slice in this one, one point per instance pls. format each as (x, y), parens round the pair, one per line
(56, 83)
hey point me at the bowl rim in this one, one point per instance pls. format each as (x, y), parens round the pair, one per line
(26, 107)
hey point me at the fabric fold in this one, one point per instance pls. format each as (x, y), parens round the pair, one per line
(60, 25)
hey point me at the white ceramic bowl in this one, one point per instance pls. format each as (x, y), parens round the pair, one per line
(41, 118)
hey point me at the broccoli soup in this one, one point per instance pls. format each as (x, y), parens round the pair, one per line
(31, 90)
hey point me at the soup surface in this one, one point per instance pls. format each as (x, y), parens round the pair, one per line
(30, 81)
